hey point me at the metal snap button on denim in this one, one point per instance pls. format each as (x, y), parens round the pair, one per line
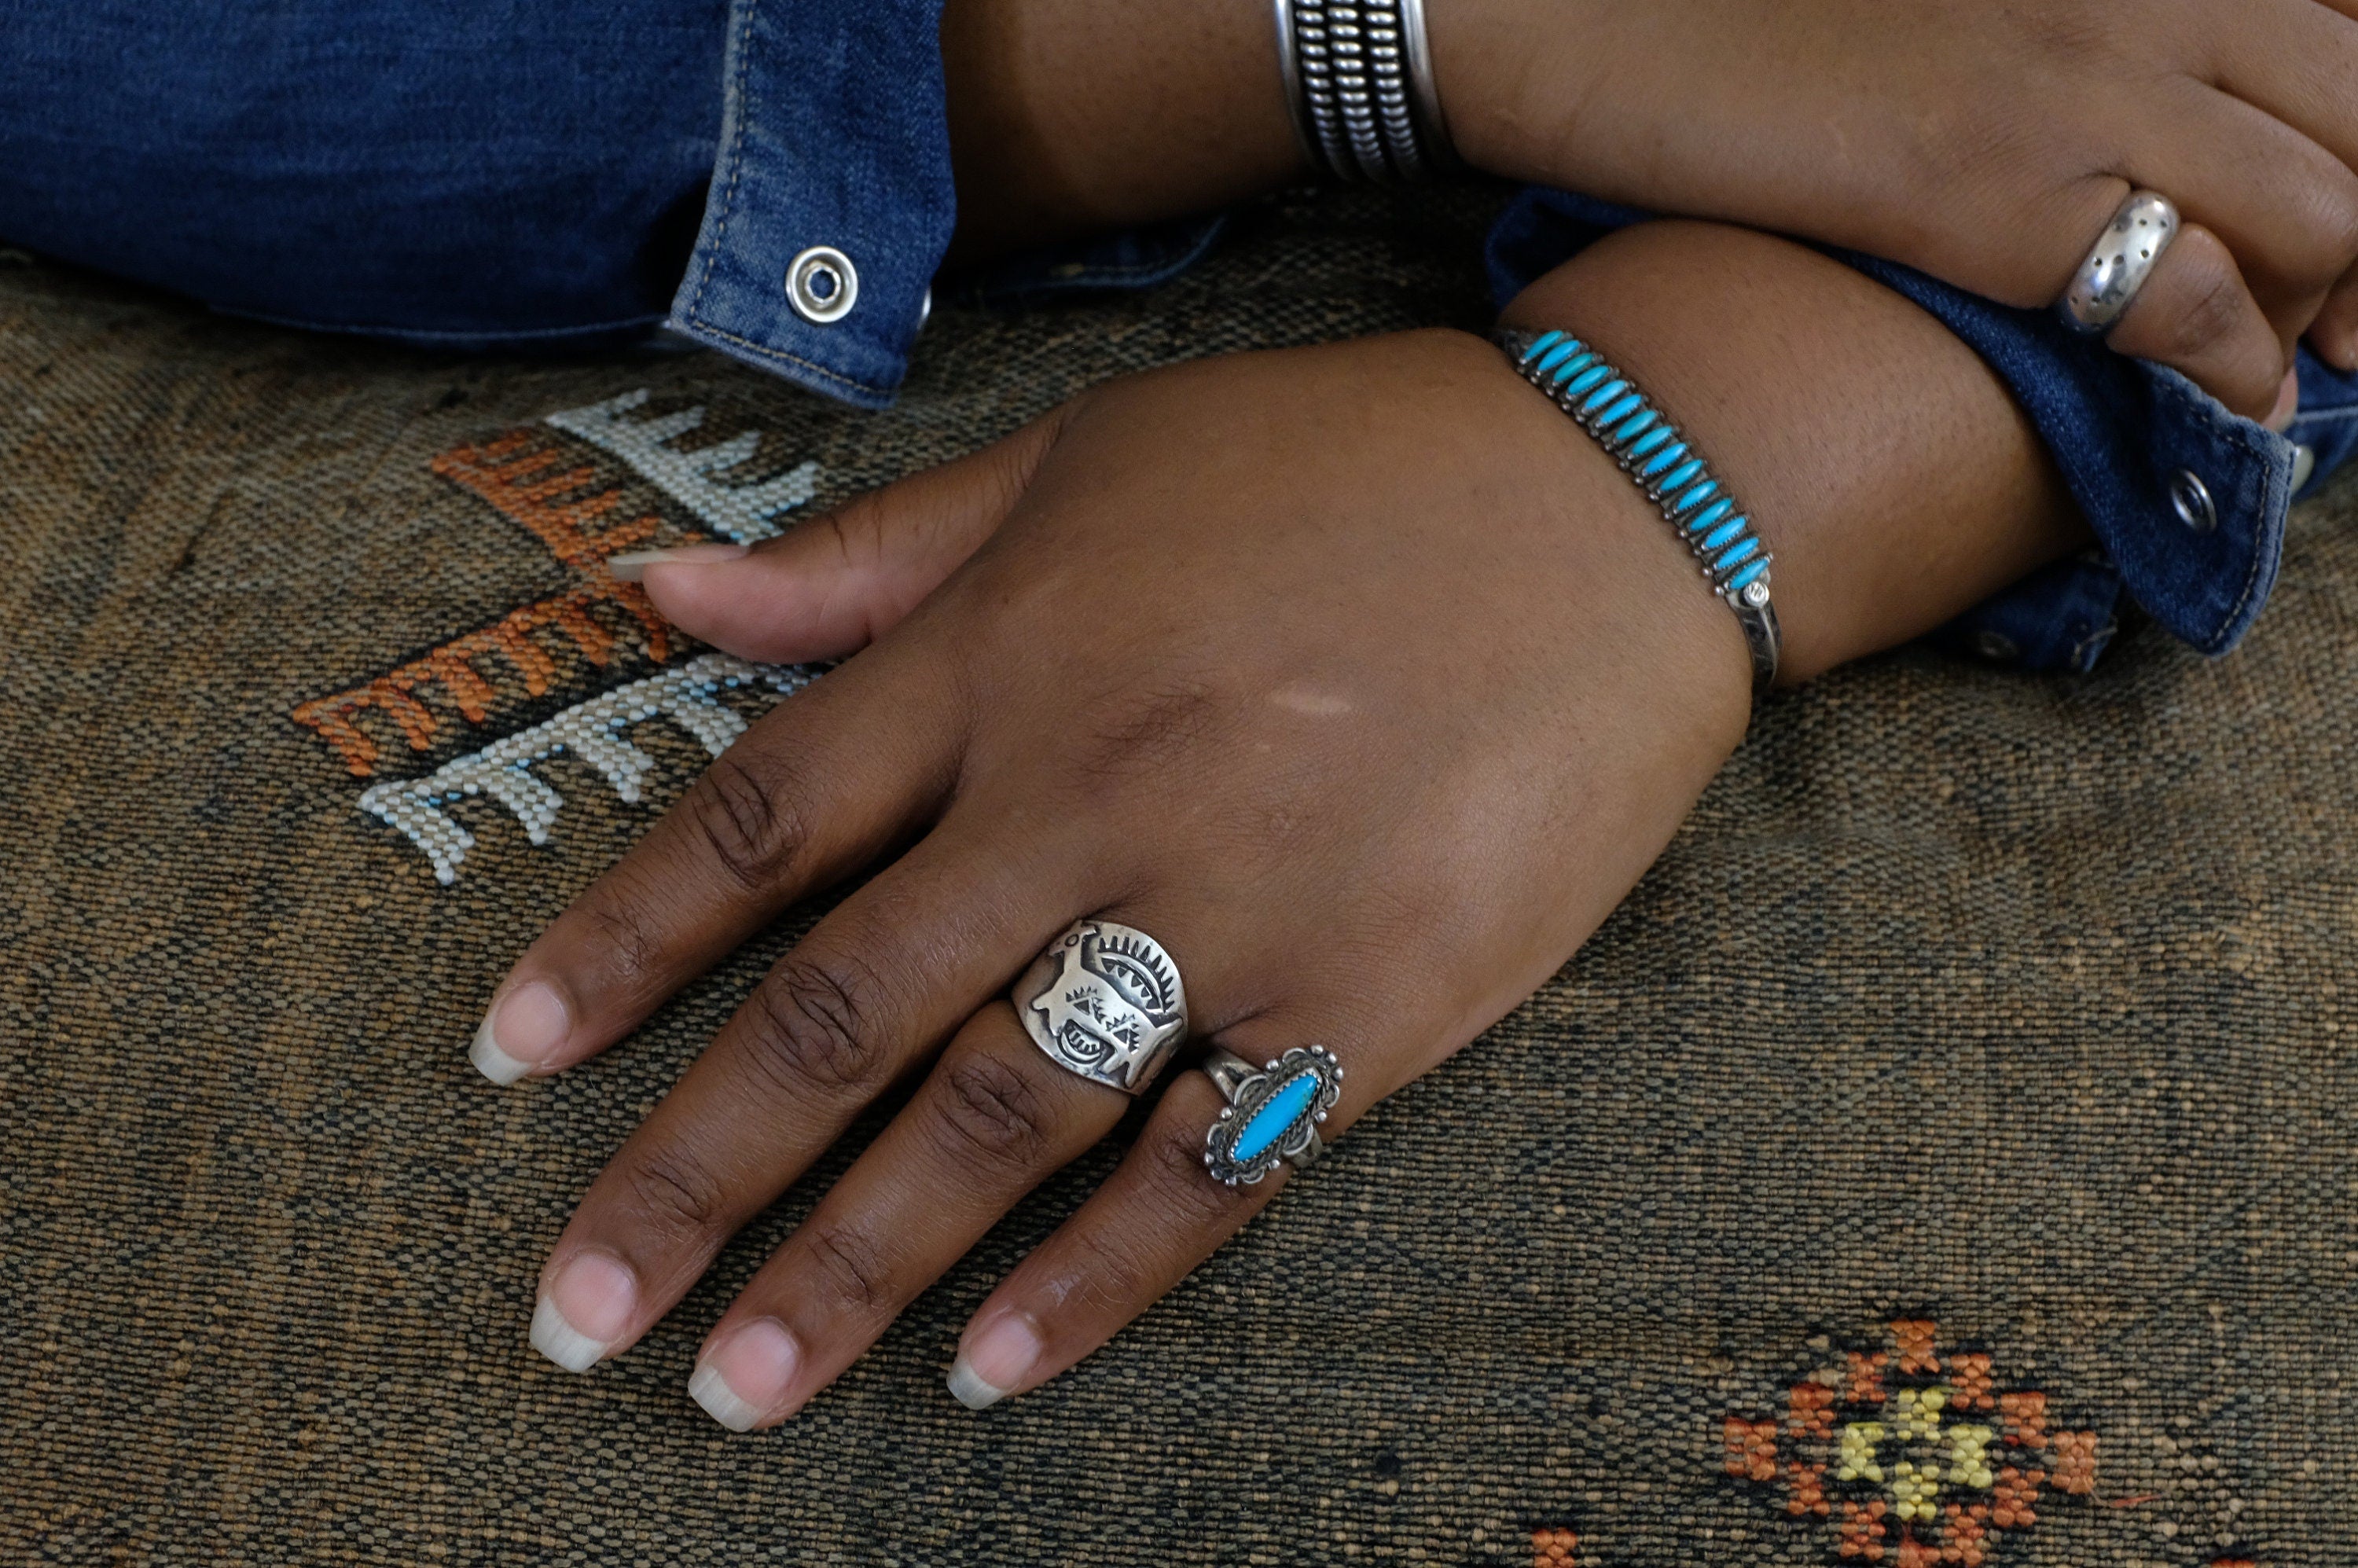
(822, 285)
(1996, 645)
(2304, 466)
(2191, 498)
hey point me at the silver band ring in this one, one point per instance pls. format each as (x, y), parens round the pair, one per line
(1272, 1113)
(1104, 1002)
(2132, 245)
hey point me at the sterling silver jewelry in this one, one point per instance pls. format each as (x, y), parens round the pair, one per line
(1670, 472)
(2132, 245)
(1104, 1002)
(1272, 1113)
(1359, 83)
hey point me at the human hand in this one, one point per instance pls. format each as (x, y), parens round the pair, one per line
(1986, 144)
(1357, 676)
(1369, 708)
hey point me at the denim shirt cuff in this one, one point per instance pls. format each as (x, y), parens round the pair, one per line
(833, 134)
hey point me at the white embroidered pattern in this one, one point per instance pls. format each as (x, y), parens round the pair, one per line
(592, 731)
(740, 512)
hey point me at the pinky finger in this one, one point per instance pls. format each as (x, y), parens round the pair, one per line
(1157, 1216)
(2196, 315)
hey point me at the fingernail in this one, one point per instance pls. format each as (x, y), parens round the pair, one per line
(2287, 407)
(631, 565)
(745, 1377)
(1000, 1357)
(523, 1026)
(585, 1310)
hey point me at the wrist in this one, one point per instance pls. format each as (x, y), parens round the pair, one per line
(1878, 457)
(1068, 116)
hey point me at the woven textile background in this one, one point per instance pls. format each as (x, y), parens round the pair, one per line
(1997, 1028)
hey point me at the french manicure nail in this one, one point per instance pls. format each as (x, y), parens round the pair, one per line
(998, 1359)
(631, 565)
(584, 1311)
(523, 1027)
(745, 1377)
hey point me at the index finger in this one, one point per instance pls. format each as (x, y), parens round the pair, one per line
(819, 788)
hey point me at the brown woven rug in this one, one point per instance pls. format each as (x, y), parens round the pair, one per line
(1978, 1067)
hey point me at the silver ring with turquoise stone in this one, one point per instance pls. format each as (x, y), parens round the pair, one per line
(1272, 1113)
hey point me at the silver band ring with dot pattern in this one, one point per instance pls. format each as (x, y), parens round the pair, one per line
(2123, 256)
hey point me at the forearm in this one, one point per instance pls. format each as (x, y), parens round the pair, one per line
(1068, 116)
(1882, 461)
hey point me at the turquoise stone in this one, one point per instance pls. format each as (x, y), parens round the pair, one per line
(1603, 396)
(1742, 552)
(1724, 534)
(1548, 362)
(1621, 410)
(1642, 421)
(1710, 516)
(1695, 497)
(1742, 580)
(1684, 474)
(1268, 1123)
(1585, 380)
(1546, 342)
(1663, 460)
(1651, 440)
(1579, 361)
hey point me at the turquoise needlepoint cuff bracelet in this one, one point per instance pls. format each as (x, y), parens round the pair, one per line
(1673, 474)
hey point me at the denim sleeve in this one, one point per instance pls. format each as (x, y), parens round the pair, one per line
(833, 139)
(2187, 501)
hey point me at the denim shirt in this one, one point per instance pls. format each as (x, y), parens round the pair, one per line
(533, 171)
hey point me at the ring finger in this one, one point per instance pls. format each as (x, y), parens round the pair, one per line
(1157, 1218)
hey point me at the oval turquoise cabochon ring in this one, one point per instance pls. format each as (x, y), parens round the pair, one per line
(1272, 1112)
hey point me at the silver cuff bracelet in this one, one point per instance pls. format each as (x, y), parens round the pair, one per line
(1358, 82)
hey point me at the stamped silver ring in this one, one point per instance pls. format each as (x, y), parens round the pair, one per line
(1105, 1002)
(2132, 245)
(1272, 1113)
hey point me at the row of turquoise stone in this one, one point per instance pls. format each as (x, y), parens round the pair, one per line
(1650, 450)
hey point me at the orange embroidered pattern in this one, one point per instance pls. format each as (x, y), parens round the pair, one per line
(600, 618)
(1910, 1454)
(1552, 1548)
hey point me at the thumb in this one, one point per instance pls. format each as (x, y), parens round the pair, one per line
(839, 581)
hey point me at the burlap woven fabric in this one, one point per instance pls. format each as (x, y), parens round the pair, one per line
(1975, 1061)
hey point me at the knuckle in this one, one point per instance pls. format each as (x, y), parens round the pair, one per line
(676, 1193)
(812, 1025)
(850, 1264)
(628, 943)
(1172, 1158)
(1116, 1275)
(2336, 222)
(988, 1113)
(748, 820)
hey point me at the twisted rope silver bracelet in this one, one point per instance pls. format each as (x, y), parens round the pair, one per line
(1359, 83)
